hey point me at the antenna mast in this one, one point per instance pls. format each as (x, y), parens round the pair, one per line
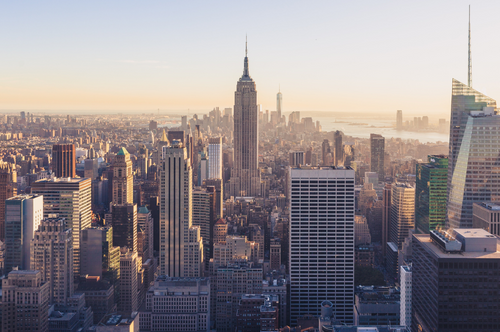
(469, 77)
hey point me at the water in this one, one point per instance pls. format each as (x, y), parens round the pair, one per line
(363, 127)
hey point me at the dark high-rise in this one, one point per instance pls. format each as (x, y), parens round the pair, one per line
(124, 222)
(377, 149)
(338, 148)
(455, 281)
(63, 160)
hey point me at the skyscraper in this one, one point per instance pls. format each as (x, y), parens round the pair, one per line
(430, 194)
(63, 160)
(124, 222)
(177, 259)
(8, 189)
(52, 255)
(279, 104)
(123, 180)
(23, 215)
(405, 303)
(69, 199)
(245, 175)
(377, 152)
(399, 120)
(204, 217)
(402, 212)
(321, 241)
(473, 158)
(455, 278)
(215, 158)
(338, 148)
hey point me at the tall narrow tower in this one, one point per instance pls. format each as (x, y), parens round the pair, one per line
(123, 180)
(245, 175)
(279, 102)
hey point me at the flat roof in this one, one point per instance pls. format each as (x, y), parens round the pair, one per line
(425, 240)
(493, 206)
(476, 233)
(62, 180)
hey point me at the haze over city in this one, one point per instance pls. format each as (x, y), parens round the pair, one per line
(371, 57)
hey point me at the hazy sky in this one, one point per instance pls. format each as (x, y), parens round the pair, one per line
(359, 56)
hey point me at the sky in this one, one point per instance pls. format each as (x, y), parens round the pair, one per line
(331, 56)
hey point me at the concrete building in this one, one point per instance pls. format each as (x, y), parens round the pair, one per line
(63, 160)
(129, 290)
(296, 158)
(25, 302)
(486, 215)
(321, 268)
(8, 189)
(123, 179)
(23, 215)
(68, 198)
(216, 186)
(234, 248)
(277, 286)
(406, 290)
(145, 224)
(245, 175)
(177, 304)
(386, 216)
(462, 268)
(99, 295)
(119, 323)
(234, 281)
(178, 256)
(376, 306)
(204, 218)
(220, 232)
(52, 255)
(399, 120)
(257, 312)
(361, 230)
(275, 254)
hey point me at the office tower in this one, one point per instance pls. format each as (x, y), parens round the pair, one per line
(129, 301)
(402, 217)
(245, 175)
(399, 120)
(234, 248)
(178, 256)
(154, 207)
(91, 169)
(296, 158)
(486, 215)
(474, 171)
(338, 150)
(204, 217)
(377, 148)
(99, 295)
(100, 258)
(234, 281)
(69, 199)
(145, 224)
(386, 215)
(325, 151)
(124, 222)
(163, 313)
(123, 180)
(203, 167)
(25, 302)
(406, 289)
(52, 255)
(215, 158)
(8, 189)
(63, 160)
(430, 194)
(23, 215)
(361, 230)
(218, 186)
(455, 277)
(316, 255)
(279, 104)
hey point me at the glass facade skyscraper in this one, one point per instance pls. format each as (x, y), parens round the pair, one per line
(430, 194)
(377, 152)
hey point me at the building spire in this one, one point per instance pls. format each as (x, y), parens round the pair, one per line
(469, 76)
(246, 73)
(246, 38)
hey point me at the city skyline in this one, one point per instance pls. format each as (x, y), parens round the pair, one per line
(147, 64)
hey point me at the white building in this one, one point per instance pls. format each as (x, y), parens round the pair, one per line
(177, 304)
(215, 158)
(405, 302)
(321, 241)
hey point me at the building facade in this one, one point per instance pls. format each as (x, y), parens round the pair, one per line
(377, 155)
(320, 268)
(215, 158)
(402, 212)
(8, 189)
(245, 175)
(63, 160)
(123, 179)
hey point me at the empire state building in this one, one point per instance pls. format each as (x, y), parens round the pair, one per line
(245, 175)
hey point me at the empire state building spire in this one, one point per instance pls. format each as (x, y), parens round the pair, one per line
(246, 74)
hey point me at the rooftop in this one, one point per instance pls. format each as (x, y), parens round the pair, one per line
(493, 206)
(122, 152)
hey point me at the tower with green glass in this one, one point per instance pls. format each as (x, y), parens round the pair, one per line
(431, 194)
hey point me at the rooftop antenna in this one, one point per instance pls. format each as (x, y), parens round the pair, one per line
(246, 41)
(469, 78)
